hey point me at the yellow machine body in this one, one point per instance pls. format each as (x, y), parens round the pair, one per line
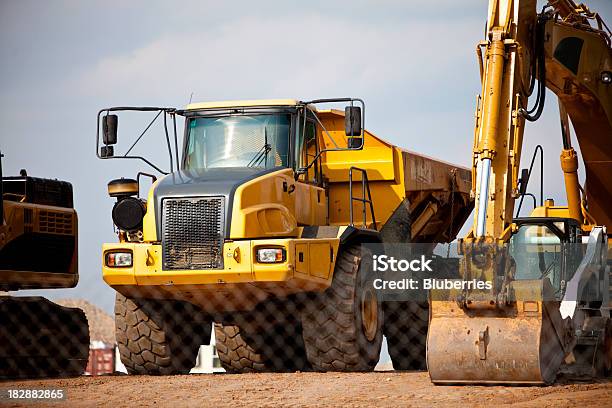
(479, 337)
(308, 220)
(32, 233)
(38, 250)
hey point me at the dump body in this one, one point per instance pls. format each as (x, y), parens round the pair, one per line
(402, 183)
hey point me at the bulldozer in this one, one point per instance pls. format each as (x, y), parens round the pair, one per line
(38, 250)
(548, 310)
(258, 226)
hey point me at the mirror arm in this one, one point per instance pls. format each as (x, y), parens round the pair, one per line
(139, 158)
(333, 100)
(168, 142)
(325, 130)
(314, 160)
(143, 133)
(176, 151)
(171, 111)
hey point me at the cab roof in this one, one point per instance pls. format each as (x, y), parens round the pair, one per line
(244, 103)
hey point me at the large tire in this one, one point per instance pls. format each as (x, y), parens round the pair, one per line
(343, 326)
(405, 327)
(39, 338)
(159, 337)
(248, 348)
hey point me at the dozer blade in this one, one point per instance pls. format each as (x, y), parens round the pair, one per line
(484, 346)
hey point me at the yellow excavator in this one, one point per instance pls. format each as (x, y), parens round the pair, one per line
(548, 311)
(38, 250)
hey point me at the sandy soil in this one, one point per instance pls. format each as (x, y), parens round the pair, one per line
(380, 389)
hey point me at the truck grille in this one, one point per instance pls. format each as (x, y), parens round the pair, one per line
(192, 233)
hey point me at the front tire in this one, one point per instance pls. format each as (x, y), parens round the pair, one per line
(343, 326)
(159, 337)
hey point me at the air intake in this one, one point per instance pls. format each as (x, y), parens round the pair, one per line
(192, 233)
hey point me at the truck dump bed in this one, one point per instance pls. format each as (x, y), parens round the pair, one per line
(416, 198)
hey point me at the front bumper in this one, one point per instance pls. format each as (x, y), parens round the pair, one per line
(308, 266)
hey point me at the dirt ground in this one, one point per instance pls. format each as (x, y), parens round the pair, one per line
(379, 389)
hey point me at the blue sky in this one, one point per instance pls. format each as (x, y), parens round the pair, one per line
(412, 61)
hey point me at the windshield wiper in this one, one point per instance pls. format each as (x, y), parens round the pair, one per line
(261, 155)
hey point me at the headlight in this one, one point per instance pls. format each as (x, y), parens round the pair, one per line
(270, 255)
(119, 259)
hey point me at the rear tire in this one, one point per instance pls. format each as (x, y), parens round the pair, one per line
(405, 327)
(159, 337)
(247, 348)
(343, 326)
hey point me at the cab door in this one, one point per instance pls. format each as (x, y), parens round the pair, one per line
(311, 199)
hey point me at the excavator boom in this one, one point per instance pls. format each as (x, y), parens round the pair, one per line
(514, 333)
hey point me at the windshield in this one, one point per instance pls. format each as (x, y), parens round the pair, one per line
(259, 141)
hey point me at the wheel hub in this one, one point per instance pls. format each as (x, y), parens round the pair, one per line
(369, 313)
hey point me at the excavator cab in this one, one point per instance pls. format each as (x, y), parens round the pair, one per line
(545, 248)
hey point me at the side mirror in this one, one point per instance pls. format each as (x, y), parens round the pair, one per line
(352, 121)
(107, 151)
(109, 129)
(352, 126)
(523, 181)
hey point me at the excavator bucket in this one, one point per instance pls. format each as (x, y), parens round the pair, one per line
(525, 345)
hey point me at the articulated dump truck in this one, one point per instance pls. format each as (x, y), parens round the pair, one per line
(38, 250)
(258, 228)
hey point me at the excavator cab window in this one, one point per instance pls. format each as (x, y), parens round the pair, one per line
(545, 249)
(537, 253)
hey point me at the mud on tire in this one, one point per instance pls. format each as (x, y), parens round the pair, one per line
(159, 337)
(406, 331)
(343, 326)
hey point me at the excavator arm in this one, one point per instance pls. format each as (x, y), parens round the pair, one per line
(569, 56)
(506, 75)
(514, 332)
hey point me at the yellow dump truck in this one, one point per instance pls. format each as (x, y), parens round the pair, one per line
(258, 228)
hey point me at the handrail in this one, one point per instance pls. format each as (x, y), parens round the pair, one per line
(365, 187)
